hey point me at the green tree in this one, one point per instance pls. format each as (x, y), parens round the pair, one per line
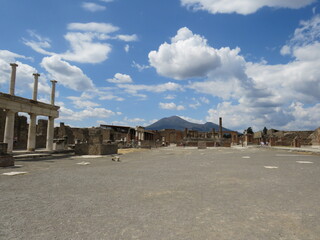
(249, 130)
(265, 131)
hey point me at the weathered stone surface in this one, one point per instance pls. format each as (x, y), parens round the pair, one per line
(315, 138)
(95, 149)
(3, 148)
(6, 161)
(202, 145)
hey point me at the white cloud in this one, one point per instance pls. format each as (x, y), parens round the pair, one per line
(120, 78)
(68, 114)
(171, 106)
(84, 49)
(256, 93)
(204, 100)
(195, 105)
(170, 97)
(93, 27)
(139, 66)
(67, 75)
(126, 48)
(24, 75)
(134, 120)
(187, 56)
(192, 120)
(242, 7)
(87, 44)
(307, 34)
(81, 102)
(127, 38)
(134, 89)
(93, 7)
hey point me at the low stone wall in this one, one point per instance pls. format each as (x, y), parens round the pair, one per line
(96, 149)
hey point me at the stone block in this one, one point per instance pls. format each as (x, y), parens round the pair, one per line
(202, 145)
(3, 148)
(6, 161)
(96, 149)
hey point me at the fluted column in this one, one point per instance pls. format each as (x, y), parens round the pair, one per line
(53, 91)
(9, 130)
(31, 145)
(13, 77)
(35, 86)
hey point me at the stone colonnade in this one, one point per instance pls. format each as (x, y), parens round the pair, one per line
(13, 104)
(140, 133)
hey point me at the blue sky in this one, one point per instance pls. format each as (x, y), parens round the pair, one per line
(132, 62)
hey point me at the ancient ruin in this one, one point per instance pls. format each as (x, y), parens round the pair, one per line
(12, 104)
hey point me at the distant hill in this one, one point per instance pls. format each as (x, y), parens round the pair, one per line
(178, 123)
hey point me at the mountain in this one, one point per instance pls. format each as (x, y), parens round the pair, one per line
(178, 123)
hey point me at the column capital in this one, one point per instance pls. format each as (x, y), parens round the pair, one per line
(53, 81)
(36, 74)
(13, 65)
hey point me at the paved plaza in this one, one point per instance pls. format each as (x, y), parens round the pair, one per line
(165, 193)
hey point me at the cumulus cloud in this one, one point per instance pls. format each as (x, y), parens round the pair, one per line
(84, 49)
(81, 102)
(171, 106)
(93, 7)
(306, 35)
(279, 105)
(24, 76)
(257, 93)
(187, 56)
(68, 75)
(120, 78)
(134, 89)
(68, 114)
(87, 42)
(242, 7)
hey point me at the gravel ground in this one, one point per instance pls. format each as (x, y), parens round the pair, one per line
(168, 193)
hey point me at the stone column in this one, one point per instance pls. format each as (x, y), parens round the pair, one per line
(35, 86)
(50, 132)
(9, 130)
(13, 78)
(53, 91)
(220, 127)
(31, 145)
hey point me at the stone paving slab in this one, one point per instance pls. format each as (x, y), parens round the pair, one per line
(165, 193)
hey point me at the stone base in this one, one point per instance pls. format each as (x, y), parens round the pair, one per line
(95, 149)
(202, 145)
(6, 161)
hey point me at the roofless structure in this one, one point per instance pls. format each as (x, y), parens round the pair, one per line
(13, 104)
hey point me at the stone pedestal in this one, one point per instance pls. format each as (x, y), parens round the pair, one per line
(202, 145)
(6, 160)
(96, 149)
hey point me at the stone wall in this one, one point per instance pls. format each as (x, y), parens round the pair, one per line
(95, 149)
(315, 138)
(6, 160)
